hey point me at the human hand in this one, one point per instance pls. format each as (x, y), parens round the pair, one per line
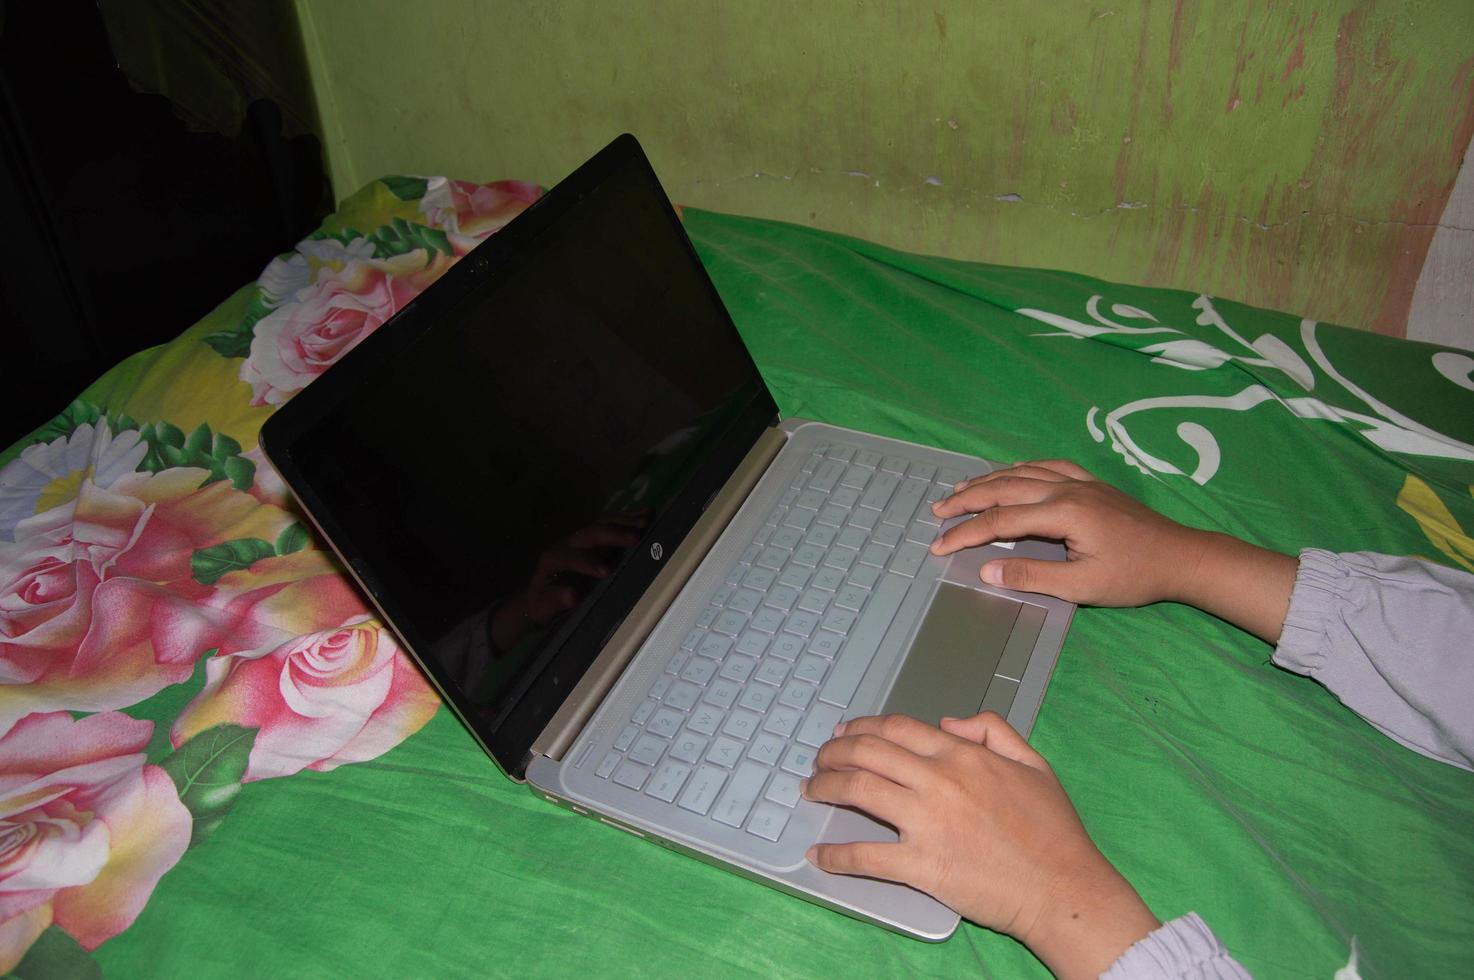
(986, 828)
(1120, 552)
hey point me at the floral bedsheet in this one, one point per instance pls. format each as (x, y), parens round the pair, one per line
(135, 554)
(215, 760)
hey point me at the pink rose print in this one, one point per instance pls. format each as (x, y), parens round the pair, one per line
(468, 212)
(304, 337)
(86, 828)
(321, 697)
(98, 607)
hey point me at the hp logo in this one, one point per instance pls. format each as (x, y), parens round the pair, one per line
(656, 551)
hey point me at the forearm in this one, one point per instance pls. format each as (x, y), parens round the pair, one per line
(1238, 582)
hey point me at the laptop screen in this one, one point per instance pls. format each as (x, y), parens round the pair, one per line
(505, 470)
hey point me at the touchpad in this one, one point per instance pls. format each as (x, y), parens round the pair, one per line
(955, 654)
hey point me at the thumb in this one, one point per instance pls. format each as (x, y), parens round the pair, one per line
(1031, 575)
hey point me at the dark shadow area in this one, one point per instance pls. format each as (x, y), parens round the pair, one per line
(126, 215)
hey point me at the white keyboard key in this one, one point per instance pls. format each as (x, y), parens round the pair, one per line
(699, 671)
(783, 597)
(785, 539)
(714, 647)
(794, 576)
(787, 646)
(772, 672)
(688, 747)
(846, 498)
(766, 749)
(810, 500)
(783, 790)
(864, 577)
(840, 620)
(873, 554)
(607, 766)
(826, 474)
(797, 695)
(800, 761)
(647, 750)
(867, 458)
(722, 694)
(758, 579)
(745, 600)
(818, 727)
(828, 579)
(682, 695)
(821, 536)
(666, 722)
(738, 668)
(702, 790)
(783, 721)
(729, 623)
(742, 724)
(909, 559)
(692, 638)
(767, 821)
(677, 663)
(626, 738)
(923, 471)
(814, 600)
(850, 597)
(667, 781)
(802, 623)
(631, 775)
(841, 558)
(853, 538)
(865, 519)
(643, 712)
(753, 643)
(893, 464)
(842, 452)
(768, 620)
(878, 494)
(826, 644)
(888, 535)
(855, 477)
(845, 678)
(810, 668)
(772, 558)
(705, 719)
(725, 752)
(740, 794)
(661, 685)
(759, 697)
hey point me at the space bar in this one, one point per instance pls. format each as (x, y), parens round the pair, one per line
(865, 639)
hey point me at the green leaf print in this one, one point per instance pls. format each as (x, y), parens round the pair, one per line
(406, 188)
(207, 772)
(292, 540)
(208, 564)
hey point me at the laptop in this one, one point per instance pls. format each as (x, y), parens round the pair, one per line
(560, 477)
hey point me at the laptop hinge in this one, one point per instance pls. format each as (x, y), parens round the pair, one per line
(586, 696)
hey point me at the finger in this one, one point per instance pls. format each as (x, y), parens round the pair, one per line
(871, 858)
(873, 754)
(1057, 578)
(1034, 471)
(1065, 467)
(915, 736)
(1005, 490)
(1005, 522)
(991, 731)
(860, 788)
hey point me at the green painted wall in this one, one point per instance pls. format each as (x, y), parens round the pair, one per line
(1292, 155)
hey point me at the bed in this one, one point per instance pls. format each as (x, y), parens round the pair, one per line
(216, 761)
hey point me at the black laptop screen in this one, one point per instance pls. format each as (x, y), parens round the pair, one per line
(500, 470)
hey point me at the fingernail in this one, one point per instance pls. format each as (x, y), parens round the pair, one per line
(803, 788)
(957, 487)
(838, 730)
(809, 854)
(992, 574)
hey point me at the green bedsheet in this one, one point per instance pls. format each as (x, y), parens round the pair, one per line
(168, 628)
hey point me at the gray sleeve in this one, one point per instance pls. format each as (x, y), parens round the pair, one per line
(1393, 638)
(1184, 948)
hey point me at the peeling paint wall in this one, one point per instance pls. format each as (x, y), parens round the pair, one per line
(1290, 155)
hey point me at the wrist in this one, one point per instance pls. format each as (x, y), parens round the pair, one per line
(1239, 582)
(1088, 923)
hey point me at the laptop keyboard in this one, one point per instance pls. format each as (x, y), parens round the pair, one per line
(733, 724)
